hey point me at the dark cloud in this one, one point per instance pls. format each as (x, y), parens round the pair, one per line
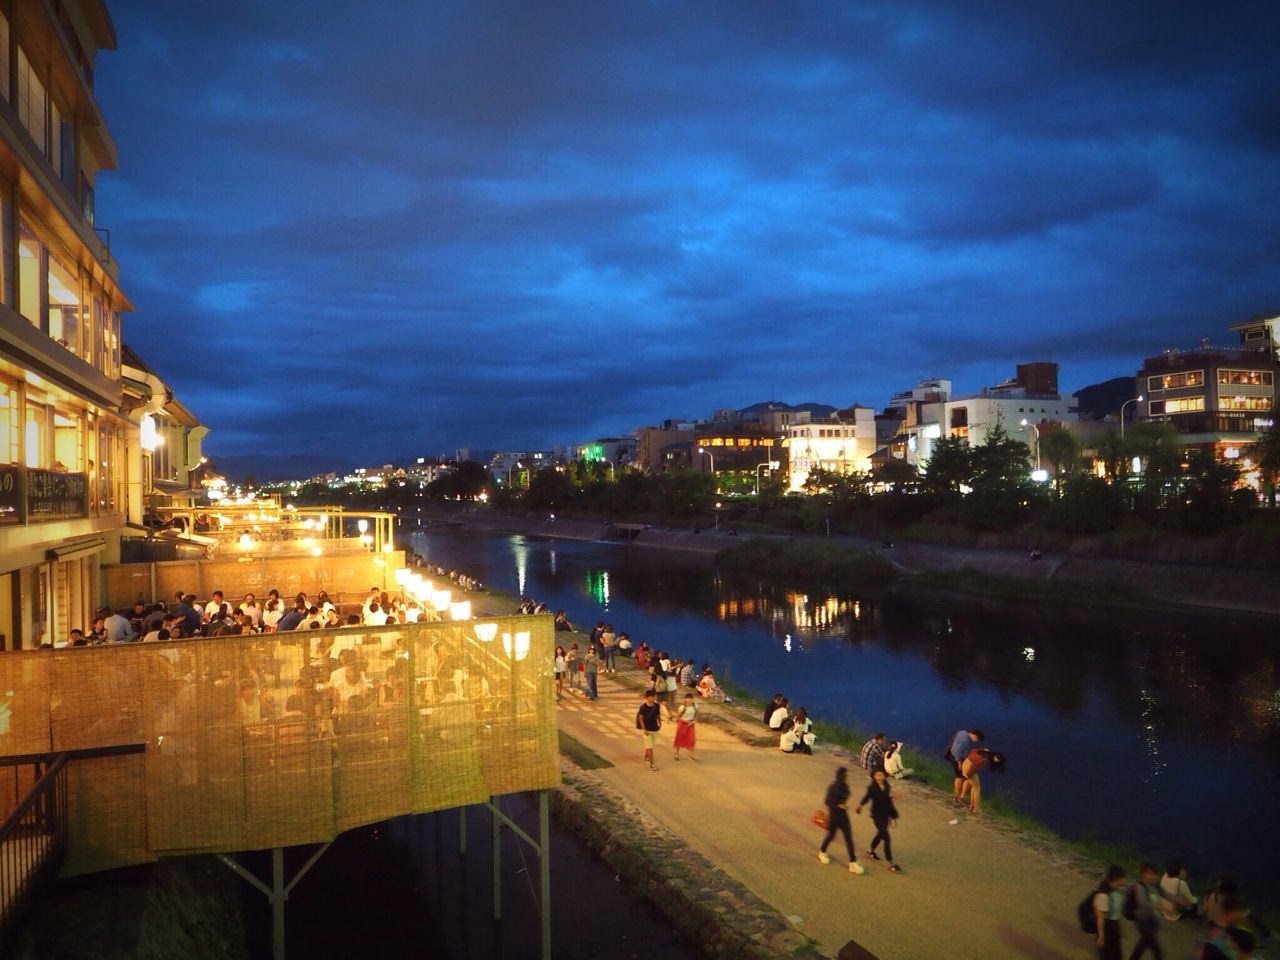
(400, 228)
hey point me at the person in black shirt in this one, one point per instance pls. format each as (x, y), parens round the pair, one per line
(649, 722)
(883, 812)
(837, 804)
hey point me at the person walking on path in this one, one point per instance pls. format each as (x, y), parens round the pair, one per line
(649, 722)
(883, 813)
(1143, 908)
(592, 664)
(961, 744)
(685, 719)
(559, 669)
(837, 804)
(609, 649)
(1107, 910)
(573, 667)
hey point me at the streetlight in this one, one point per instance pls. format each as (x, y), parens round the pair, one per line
(610, 463)
(1137, 399)
(1036, 428)
(710, 456)
(518, 466)
(717, 514)
(771, 464)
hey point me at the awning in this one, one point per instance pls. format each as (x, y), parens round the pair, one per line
(76, 550)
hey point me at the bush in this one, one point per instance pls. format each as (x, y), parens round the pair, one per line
(1087, 505)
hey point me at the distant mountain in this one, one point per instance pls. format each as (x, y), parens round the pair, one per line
(815, 409)
(1100, 400)
(266, 468)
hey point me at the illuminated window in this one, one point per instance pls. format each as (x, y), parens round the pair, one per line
(1245, 403)
(10, 431)
(36, 435)
(1184, 405)
(64, 305)
(4, 56)
(32, 100)
(1255, 378)
(1172, 381)
(30, 274)
(68, 441)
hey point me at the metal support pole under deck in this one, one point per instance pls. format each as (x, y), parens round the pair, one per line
(544, 870)
(278, 895)
(462, 831)
(495, 832)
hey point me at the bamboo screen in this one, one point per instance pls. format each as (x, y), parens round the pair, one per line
(280, 739)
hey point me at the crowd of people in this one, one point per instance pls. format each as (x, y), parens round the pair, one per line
(1154, 898)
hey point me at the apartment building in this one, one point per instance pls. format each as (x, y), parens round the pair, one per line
(1219, 398)
(1020, 406)
(63, 438)
(841, 444)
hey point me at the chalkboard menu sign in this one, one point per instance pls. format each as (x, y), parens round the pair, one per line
(51, 494)
(10, 489)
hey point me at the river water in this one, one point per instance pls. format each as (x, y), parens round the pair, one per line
(1157, 729)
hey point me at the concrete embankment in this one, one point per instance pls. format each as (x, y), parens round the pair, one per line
(1158, 582)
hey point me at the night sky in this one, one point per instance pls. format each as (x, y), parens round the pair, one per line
(371, 231)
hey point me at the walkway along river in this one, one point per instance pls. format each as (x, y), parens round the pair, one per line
(1158, 730)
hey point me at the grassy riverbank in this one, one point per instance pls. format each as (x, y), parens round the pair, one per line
(827, 564)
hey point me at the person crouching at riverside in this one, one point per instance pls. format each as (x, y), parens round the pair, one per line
(974, 762)
(960, 746)
(837, 804)
(649, 722)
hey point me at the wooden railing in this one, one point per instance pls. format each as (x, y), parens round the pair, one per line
(33, 842)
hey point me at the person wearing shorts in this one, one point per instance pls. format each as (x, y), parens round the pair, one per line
(649, 722)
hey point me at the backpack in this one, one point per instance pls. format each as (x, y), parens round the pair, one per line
(1087, 919)
(1130, 908)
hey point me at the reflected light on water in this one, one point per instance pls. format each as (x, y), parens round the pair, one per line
(521, 552)
(786, 643)
(1150, 738)
(1030, 654)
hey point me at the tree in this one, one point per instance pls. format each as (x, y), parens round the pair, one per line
(949, 466)
(999, 462)
(1158, 448)
(896, 474)
(1266, 453)
(1061, 450)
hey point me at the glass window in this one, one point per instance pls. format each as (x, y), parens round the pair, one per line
(31, 103)
(6, 245)
(64, 305)
(1250, 377)
(10, 433)
(1244, 403)
(30, 274)
(36, 435)
(1184, 405)
(4, 56)
(55, 138)
(93, 349)
(113, 371)
(1173, 381)
(68, 441)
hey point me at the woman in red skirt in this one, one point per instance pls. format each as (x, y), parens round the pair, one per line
(686, 717)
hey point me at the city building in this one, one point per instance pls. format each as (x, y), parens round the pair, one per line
(164, 467)
(1019, 406)
(653, 443)
(730, 448)
(843, 443)
(64, 445)
(516, 467)
(1220, 399)
(616, 451)
(922, 410)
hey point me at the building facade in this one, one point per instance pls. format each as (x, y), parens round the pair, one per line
(1219, 399)
(63, 439)
(1018, 406)
(842, 444)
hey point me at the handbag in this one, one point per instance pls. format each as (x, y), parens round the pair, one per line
(819, 818)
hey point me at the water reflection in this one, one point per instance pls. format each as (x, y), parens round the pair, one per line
(1156, 706)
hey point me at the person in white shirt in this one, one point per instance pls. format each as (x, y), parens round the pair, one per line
(213, 606)
(893, 762)
(271, 615)
(251, 610)
(374, 596)
(346, 682)
(1178, 900)
(778, 715)
(375, 616)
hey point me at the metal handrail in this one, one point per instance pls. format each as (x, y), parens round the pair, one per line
(33, 843)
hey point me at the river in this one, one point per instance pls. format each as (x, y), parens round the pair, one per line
(1155, 729)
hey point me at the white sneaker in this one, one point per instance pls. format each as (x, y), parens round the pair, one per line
(822, 855)
(856, 867)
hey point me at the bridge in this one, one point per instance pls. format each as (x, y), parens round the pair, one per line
(267, 741)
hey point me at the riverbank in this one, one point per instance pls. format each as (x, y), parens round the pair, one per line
(982, 571)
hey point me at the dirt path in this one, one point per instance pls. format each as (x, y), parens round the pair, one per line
(747, 809)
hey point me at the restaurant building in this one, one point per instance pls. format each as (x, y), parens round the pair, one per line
(63, 437)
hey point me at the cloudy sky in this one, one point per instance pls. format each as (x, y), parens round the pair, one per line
(396, 228)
